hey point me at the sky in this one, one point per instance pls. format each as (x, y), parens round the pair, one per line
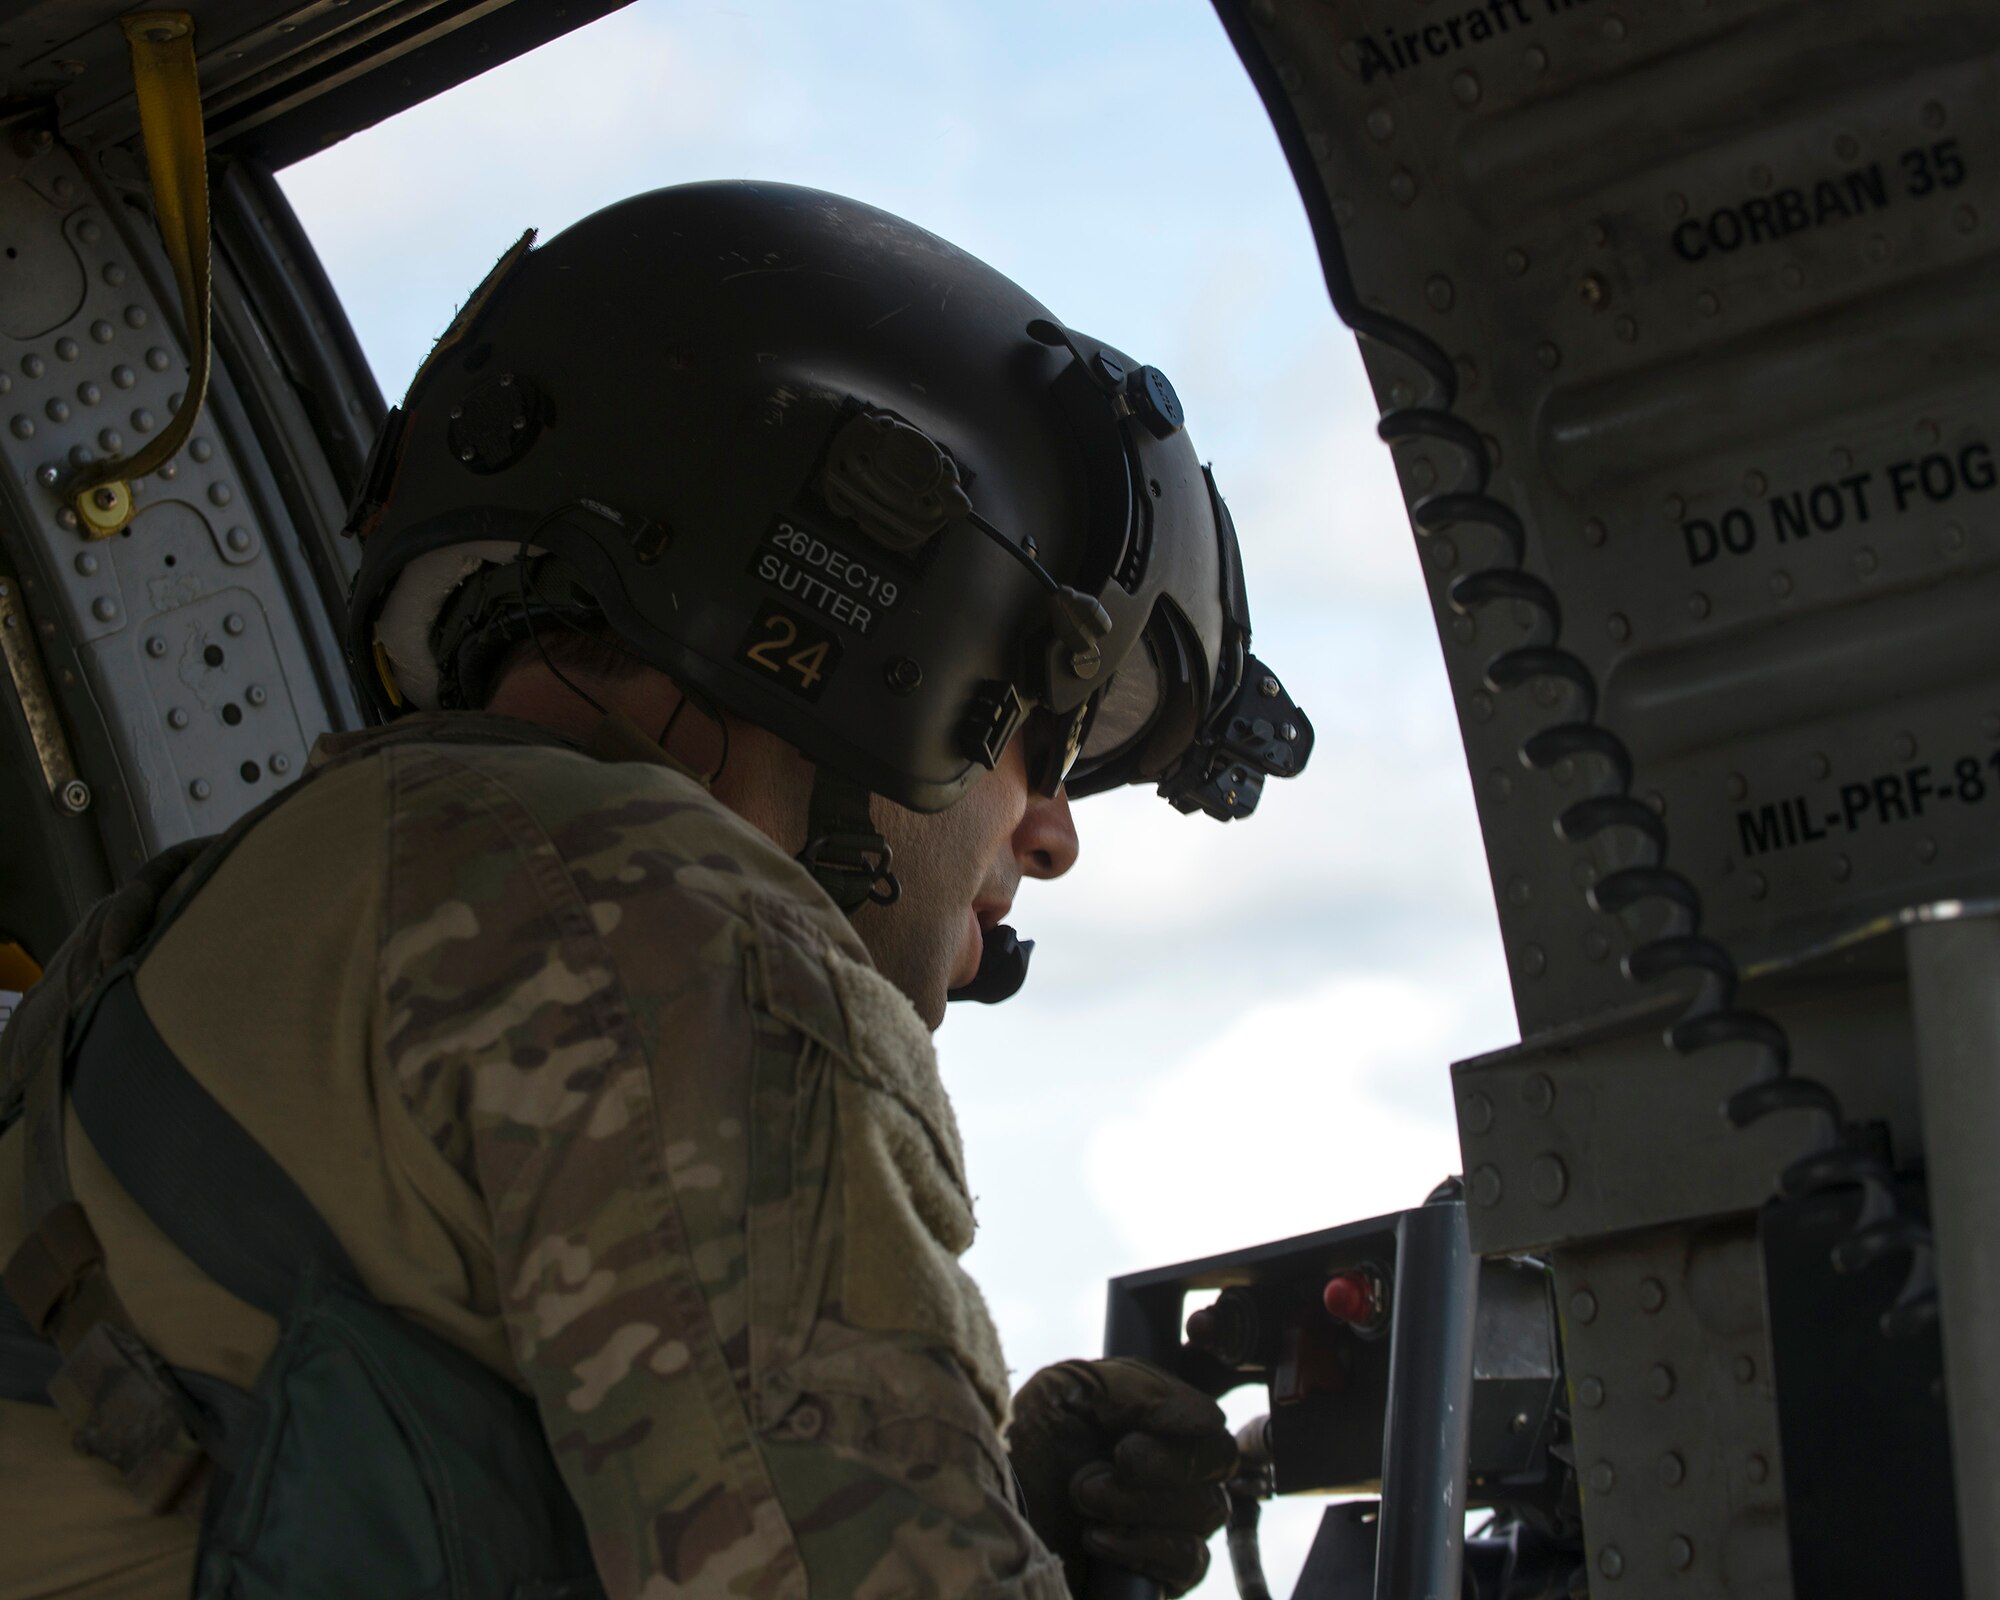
(1233, 1033)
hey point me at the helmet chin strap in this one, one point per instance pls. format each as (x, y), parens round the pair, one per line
(847, 857)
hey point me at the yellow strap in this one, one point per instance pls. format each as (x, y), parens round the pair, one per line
(169, 95)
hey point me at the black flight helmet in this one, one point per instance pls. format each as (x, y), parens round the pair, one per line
(837, 477)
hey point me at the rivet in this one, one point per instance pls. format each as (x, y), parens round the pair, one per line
(1652, 1294)
(238, 539)
(1708, 302)
(1661, 1381)
(1482, 706)
(1627, 329)
(1438, 292)
(1486, 1187)
(1792, 275)
(1618, 626)
(1583, 1306)
(1865, 561)
(1517, 262)
(158, 359)
(1927, 849)
(1270, 688)
(1465, 89)
(1680, 1552)
(58, 410)
(114, 274)
(135, 317)
(1289, 732)
(1402, 186)
(1464, 629)
(255, 694)
(201, 449)
(1603, 1478)
(1538, 1093)
(1610, 1562)
(1593, 291)
(33, 366)
(86, 563)
(1475, 1113)
(66, 518)
(1593, 532)
(1759, 886)
(104, 608)
(1548, 356)
(1536, 58)
(1590, 1393)
(1672, 1469)
(1595, 945)
(111, 439)
(1614, 28)
(1842, 869)
(81, 455)
(142, 419)
(68, 349)
(1548, 1179)
(1380, 122)
(199, 789)
(220, 494)
(1698, 606)
(1745, 1369)
(1757, 1469)
(23, 427)
(1501, 782)
(156, 646)
(1518, 892)
(1443, 553)
(281, 764)
(233, 623)
(1534, 960)
(177, 718)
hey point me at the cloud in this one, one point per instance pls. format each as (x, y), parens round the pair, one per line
(1291, 1119)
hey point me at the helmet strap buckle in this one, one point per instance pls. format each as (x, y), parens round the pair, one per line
(844, 852)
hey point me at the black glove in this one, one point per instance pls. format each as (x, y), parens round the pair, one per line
(1121, 1463)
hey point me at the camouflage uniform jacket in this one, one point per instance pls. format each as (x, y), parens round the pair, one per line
(591, 1079)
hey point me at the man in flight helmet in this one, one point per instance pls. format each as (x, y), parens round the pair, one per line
(749, 580)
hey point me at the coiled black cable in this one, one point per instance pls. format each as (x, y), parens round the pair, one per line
(1844, 1157)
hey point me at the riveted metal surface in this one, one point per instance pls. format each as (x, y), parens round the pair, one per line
(1714, 282)
(1602, 1127)
(1676, 1425)
(212, 564)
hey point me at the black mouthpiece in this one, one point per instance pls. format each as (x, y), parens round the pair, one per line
(1003, 968)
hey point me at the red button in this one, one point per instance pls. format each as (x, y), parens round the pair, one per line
(1350, 1297)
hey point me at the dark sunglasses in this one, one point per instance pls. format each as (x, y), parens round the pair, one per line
(1051, 743)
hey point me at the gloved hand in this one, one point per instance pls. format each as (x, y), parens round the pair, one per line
(1121, 1463)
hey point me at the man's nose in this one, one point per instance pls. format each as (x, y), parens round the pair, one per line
(1045, 842)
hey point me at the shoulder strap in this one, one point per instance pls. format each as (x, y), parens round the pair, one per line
(193, 1168)
(189, 1165)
